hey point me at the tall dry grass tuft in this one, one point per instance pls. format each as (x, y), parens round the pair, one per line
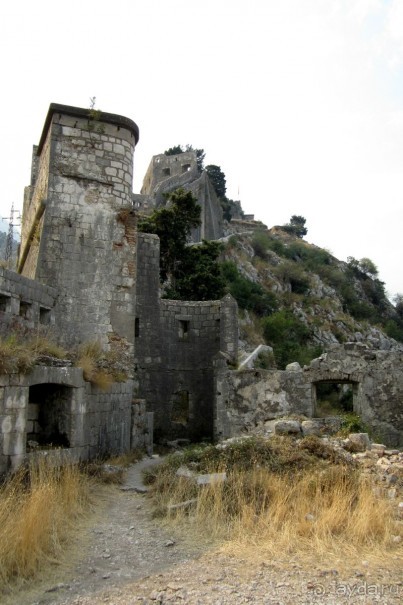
(38, 506)
(90, 354)
(18, 354)
(329, 513)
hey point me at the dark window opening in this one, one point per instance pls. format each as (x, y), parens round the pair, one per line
(25, 309)
(186, 167)
(44, 316)
(49, 416)
(180, 407)
(137, 327)
(166, 171)
(183, 329)
(334, 398)
(5, 303)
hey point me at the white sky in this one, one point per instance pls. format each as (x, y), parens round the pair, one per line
(299, 101)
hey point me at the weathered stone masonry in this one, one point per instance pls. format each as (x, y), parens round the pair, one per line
(24, 303)
(55, 404)
(247, 400)
(78, 223)
(176, 343)
(87, 275)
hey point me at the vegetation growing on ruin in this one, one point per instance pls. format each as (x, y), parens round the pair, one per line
(19, 353)
(187, 273)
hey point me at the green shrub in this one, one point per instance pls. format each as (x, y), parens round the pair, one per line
(294, 274)
(289, 338)
(248, 294)
(352, 423)
(394, 329)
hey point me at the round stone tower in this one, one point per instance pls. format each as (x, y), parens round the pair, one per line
(78, 231)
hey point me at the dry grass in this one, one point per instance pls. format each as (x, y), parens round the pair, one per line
(18, 354)
(328, 511)
(88, 358)
(38, 507)
(128, 458)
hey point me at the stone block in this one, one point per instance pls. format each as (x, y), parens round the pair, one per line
(287, 427)
(15, 397)
(359, 442)
(311, 427)
(211, 478)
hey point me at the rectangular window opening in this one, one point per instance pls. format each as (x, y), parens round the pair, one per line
(5, 303)
(183, 329)
(137, 327)
(44, 316)
(166, 171)
(180, 407)
(25, 309)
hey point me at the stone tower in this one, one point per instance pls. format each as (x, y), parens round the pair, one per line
(79, 232)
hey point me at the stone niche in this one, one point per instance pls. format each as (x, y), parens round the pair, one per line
(54, 408)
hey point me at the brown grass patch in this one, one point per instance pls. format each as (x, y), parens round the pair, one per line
(90, 355)
(18, 354)
(38, 507)
(283, 506)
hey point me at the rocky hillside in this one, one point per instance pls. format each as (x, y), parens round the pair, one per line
(299, 299)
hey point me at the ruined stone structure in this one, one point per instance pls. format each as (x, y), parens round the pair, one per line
(82, 265)
(169, 172)
(247, 400)
(176, 342)
(78, 233)
(86, 274)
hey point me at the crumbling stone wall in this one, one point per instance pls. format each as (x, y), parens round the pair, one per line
(24, 304)
(246, 400)
(249, 399)
(79, 226)
(167, 173)
(95, 423)
(164, 171)
(176, 342)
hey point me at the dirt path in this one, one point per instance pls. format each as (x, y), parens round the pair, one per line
(122, 556)
(119, 543)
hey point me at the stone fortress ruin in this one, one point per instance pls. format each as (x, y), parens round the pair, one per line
(86, 274)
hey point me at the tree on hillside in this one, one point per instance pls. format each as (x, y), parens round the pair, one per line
(174, 150)
(296, 226)
(173, 225)
(368, 267)
(364, 266)
(217, 178)
(189, 272)
(198, 275)
(398, 300)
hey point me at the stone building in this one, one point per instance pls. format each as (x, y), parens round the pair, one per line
(169, 172)
(81, 270)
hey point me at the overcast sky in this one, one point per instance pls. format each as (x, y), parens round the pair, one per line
(299, 101)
